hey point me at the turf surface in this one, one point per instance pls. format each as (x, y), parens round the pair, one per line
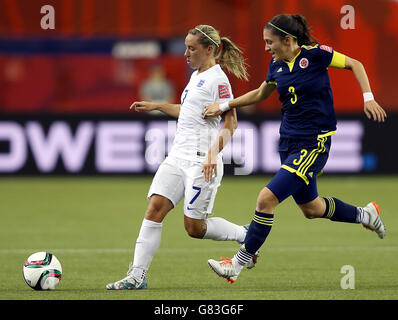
(91, 224)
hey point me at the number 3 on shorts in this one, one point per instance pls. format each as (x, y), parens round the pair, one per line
(303, 153)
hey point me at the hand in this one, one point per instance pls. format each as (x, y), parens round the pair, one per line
(209, 166)
(143, 106)
(373, 111)
(212, 110)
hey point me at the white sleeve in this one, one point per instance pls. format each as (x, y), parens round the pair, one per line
(221, 91)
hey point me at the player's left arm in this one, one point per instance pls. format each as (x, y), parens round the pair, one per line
(371, 108)
(224, 136)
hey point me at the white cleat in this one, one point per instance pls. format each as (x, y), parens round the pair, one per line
(224, 268)
(128, 283)
(375, 222)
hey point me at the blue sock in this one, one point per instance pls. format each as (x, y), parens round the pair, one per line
(337, 210)
(258, 231)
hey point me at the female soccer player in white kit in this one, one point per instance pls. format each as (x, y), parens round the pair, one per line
(194, 167)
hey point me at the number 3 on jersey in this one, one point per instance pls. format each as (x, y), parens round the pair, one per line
(293, 100)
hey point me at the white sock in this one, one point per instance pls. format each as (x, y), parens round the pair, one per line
(147, 244)
(220, 229)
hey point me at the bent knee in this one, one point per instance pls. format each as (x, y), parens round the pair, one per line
(310, 214)
(313, 209)
(158, 207)
(266, 201)
(195, 230)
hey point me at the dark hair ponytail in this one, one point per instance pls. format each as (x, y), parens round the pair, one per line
(294, 25)
(304, 36)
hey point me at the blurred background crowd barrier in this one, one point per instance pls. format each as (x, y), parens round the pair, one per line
(65, 91)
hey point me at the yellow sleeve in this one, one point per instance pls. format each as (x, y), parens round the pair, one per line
(338, 60)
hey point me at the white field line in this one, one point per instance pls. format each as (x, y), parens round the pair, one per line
(187, 250)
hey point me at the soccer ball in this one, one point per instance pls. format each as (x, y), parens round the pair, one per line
(42, 271)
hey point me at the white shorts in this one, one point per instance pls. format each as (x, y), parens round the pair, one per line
(177, 178)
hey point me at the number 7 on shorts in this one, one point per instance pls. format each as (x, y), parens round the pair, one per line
(195, 196)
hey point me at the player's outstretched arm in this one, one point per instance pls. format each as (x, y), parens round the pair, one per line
(371, 108)
(172, 110)
(251, 97)
(224, 136)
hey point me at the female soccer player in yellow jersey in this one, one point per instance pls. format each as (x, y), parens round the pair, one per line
(192, 170)
(298, 70)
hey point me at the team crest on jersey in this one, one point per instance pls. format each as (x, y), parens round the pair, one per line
(303, 63)
(200, 83)
(223, 91)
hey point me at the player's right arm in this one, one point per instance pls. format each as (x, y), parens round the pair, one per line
(170, 109)
(251, 97)
(340, 61)
(371, 108)
(254, 96)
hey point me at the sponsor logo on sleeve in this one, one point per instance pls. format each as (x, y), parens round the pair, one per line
(326, 48)
(223, 91)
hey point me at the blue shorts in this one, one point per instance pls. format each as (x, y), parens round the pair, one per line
(302, 160)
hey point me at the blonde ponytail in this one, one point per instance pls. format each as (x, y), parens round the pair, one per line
(228, 56)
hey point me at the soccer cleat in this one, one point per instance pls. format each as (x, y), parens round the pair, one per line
(375, 222)
(252, 263)
(128, 283)
(224, 268)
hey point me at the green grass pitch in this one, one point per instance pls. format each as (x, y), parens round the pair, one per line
(91, 225)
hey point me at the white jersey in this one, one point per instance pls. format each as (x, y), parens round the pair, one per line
(195, 135)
